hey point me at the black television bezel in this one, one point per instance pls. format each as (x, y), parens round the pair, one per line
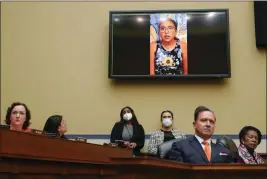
(200, 76)
(260, 23)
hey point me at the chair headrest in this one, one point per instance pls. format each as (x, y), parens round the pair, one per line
(227, 142)
(165, 147)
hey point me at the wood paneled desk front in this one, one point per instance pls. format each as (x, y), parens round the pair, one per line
(29, 156)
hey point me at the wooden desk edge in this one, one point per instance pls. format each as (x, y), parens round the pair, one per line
(184, 166)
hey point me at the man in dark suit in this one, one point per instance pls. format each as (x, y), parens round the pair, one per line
(199, 148)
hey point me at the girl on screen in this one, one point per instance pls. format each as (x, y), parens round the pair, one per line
(168, 55)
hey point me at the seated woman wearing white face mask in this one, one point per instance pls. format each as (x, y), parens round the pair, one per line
(166, 133)
(128, 131)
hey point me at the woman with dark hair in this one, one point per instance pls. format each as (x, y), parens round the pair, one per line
(165, 134)
(128, 131)
(56, 125)
(250, 138)
(18, 117)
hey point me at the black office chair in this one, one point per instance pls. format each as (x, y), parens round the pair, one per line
(228, 143)
(165, 147)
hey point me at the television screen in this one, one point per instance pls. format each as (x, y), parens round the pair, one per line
(169, 44)
(260, 17)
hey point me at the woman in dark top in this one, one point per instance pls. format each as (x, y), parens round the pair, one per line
(56, 125)
(129, 131)
(250, 138)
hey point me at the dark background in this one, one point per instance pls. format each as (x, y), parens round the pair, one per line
(260, 16)
(207, 44)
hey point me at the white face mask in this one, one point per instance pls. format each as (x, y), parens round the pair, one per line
(167, 122)
(127, 116)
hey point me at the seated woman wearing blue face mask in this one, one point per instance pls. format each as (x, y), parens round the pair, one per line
(165, 134)
(128, 131)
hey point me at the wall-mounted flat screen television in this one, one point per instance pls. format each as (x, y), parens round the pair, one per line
(169, 44)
